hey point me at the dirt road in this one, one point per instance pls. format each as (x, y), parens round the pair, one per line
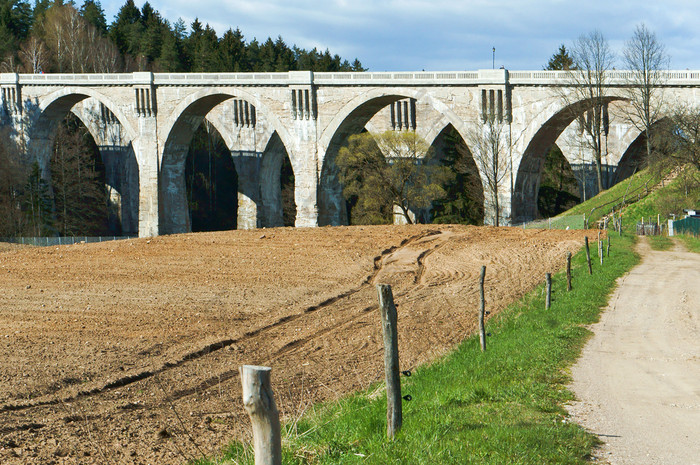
(638, 379)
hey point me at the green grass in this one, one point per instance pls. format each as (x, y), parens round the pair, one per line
(660, 242)
(501, 406)
(690, 242)
(605, 200)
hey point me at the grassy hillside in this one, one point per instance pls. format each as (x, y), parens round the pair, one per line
(629, 190)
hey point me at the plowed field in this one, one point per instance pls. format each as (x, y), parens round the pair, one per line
(128, 351)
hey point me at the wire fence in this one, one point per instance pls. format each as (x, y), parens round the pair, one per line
(564, 222)
(59, 240)
(650, 229)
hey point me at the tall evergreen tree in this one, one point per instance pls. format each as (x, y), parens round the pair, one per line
(232, 51)
(560, 60)
(93, 13)
(125, 30)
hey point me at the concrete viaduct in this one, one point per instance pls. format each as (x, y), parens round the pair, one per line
(143, 124)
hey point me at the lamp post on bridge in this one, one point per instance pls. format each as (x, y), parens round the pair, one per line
(493, 59)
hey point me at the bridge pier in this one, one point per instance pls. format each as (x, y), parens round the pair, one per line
(248, 170)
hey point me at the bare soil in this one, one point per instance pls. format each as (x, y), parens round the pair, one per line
(638, 380)
(128, 351)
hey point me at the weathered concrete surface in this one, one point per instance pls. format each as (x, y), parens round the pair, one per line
(638, 380)
(310, 116)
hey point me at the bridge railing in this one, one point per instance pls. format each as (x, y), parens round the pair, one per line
(488, 76)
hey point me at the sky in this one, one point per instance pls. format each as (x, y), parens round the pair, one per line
(442, 35)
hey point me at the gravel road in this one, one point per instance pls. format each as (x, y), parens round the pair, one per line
(638, 380)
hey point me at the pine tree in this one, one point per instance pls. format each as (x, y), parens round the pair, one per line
(125, 30)
(232, 51)
(93, 13)
(560, 60)
(37, 203)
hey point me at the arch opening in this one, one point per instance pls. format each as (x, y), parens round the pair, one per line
(246, 186)
(332, 206)
(78, 150)
(559, 187)
(524, 201)
(464, 202)
(211, 182)
(634, 157)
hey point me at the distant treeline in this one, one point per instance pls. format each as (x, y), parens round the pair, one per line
(53, 36)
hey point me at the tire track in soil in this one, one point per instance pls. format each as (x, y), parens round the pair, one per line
(352, 317)
(219, 345)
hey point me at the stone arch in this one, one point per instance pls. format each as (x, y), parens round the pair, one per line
(632, 159)
(529, 170)
(180, 128)
(351, 119)
(96, 111)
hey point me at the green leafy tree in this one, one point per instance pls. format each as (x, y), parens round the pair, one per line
(390, 169)
(232, 50)
(125, 31)
(169, 60)
(15, 24)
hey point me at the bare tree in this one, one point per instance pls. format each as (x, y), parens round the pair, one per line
(106, 58)
(490, 148)
(646, 59)
(586, 95)
(677, 140)
(34, 55)
(9, 65)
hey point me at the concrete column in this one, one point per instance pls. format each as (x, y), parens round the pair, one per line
(248, 170)
(305, 194)
(146, 150)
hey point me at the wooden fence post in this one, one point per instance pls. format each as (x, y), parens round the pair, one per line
(482, 310)
(548, 301)
(600, 252)
(391, 359)
(588, 257)
(259, 402)
(568, 271)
